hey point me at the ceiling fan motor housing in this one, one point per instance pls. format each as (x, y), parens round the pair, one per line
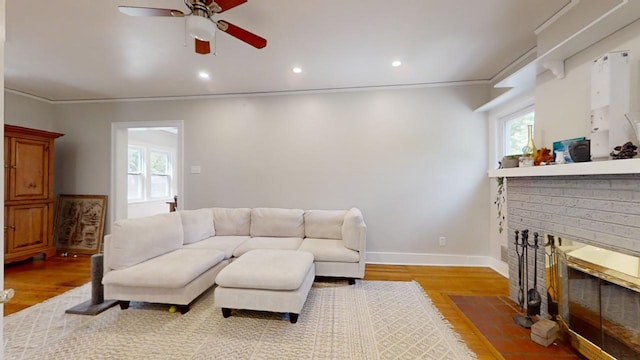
(201, 27)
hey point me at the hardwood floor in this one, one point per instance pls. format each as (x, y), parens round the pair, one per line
(37, 280)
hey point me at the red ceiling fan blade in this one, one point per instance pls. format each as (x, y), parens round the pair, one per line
(227, 4)
(242, 34)
(145, 11)
(202, 47)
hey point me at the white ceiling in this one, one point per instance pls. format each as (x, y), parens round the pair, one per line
(78, 50)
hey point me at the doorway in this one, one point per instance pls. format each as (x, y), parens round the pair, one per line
(146, 168)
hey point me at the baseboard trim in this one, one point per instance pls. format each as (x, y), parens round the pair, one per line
(394, 258)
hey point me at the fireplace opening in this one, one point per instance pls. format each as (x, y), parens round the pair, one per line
(599, 300)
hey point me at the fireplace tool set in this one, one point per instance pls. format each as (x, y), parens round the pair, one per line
(534, 299)
(552, 288)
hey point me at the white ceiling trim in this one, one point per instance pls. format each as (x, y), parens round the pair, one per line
(256, 94)
(34, 97)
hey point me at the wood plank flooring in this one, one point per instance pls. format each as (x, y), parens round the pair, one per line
(37, 280)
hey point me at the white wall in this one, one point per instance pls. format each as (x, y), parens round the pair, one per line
(563, 106)
(414, 160)
(28, 112)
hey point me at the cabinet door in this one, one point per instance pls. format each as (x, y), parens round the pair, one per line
(27, 227)
(29, 169)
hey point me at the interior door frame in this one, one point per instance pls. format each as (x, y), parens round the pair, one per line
(2, 239)
(119, 141)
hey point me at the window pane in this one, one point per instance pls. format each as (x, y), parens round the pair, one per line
(159, 163)
(135, 160)
(516, 133)
(134, 187)
(160, 186)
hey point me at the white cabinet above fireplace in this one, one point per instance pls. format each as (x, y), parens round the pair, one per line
(626, 166)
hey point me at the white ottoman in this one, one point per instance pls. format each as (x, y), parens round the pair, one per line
(266, 280)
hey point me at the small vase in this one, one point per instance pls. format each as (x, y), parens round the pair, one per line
(530, 149)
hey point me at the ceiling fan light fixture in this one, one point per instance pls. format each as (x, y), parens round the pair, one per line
(201, 28)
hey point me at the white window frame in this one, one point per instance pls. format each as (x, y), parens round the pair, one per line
(147, 173)
(496, 130)
(503, 120)
(168, 174)
(141, 174)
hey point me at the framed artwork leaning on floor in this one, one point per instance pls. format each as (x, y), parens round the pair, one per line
(79, 223)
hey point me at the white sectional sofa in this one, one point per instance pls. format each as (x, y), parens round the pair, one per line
(172, 258)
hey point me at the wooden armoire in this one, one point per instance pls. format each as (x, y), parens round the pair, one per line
(28, 193)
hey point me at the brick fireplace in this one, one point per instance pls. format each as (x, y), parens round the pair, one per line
(600, 210)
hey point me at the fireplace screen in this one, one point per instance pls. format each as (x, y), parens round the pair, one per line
(601, 304)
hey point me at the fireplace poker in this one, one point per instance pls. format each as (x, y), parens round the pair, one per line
(520, 254)
(552, 289)
(523, 280)
(533, 296)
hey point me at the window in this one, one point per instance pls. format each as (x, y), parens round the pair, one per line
(150, 174)
(516, 130)
(160, 174)
(135, 174)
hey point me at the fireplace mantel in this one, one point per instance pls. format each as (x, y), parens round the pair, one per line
(627, 166)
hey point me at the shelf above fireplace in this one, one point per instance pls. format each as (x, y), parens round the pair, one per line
(627, 166)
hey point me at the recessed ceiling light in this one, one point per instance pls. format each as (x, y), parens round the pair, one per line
(396, 63)
(297, 70)
(203, 75)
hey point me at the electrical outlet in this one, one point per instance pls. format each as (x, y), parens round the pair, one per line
(443, 241)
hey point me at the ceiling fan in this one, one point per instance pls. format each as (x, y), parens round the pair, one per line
(200, 24)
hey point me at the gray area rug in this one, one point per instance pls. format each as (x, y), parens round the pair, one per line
(369, 320)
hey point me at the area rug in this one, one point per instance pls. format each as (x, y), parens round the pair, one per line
(368, 320)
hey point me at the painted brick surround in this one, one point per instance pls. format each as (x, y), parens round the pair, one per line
(601, 210)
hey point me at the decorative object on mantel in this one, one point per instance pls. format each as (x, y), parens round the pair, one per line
(626, 151)
(563, 145)
(529, 151)
(543, 157)
(580, 151)
(525, 161)
(500, 200)
(632, 118)
(509, 161)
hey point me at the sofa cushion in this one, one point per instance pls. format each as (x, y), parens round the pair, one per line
(268, 243)
(173, 270)
(329, 250)
(197, 225)
(353, 229)
(136, 240)
(323, 224)
(267, 269)
(232, 221)
(226, 244)
(277, 222)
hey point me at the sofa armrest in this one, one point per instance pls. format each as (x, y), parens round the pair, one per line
(354, 230)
